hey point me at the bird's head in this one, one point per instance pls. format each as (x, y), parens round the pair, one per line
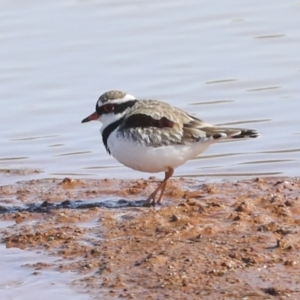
(111, 107)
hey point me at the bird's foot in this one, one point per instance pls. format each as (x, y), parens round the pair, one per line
(151, 199)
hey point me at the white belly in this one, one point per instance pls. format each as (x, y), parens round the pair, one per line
(150, 159)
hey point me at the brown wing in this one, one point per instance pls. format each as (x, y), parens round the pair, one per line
(144, 121)
(157, 123)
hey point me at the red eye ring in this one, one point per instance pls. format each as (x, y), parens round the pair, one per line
(108, 108)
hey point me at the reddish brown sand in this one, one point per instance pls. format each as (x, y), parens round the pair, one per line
(232, 240)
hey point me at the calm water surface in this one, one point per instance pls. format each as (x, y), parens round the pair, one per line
(227, 63)
(19, 281)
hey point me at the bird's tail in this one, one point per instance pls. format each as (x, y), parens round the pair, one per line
(233, 133)
(246, 133)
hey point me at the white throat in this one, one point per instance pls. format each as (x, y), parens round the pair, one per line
(108, 119)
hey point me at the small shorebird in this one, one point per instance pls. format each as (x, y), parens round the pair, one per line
(154, 136)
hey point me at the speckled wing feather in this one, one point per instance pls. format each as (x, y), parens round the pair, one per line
(156, 123)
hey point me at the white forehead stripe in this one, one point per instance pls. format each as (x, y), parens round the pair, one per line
(126, 98)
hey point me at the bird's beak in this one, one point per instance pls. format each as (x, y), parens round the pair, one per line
(93, 116)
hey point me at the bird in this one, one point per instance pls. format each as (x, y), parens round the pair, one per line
(153, 136)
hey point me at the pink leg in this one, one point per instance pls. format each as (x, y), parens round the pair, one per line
(161, 187)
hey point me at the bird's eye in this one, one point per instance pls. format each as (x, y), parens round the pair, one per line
(108, 108)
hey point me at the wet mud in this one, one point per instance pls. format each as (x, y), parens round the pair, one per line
(229, 240)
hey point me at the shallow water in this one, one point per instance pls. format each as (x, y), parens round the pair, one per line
(22, 278)
(225, 62)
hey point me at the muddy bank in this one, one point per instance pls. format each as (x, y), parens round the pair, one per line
(231, 240)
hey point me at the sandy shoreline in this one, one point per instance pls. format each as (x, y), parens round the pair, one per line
(230, 240)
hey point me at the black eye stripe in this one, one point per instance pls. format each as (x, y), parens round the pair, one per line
(116, 109)
(108, 107)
